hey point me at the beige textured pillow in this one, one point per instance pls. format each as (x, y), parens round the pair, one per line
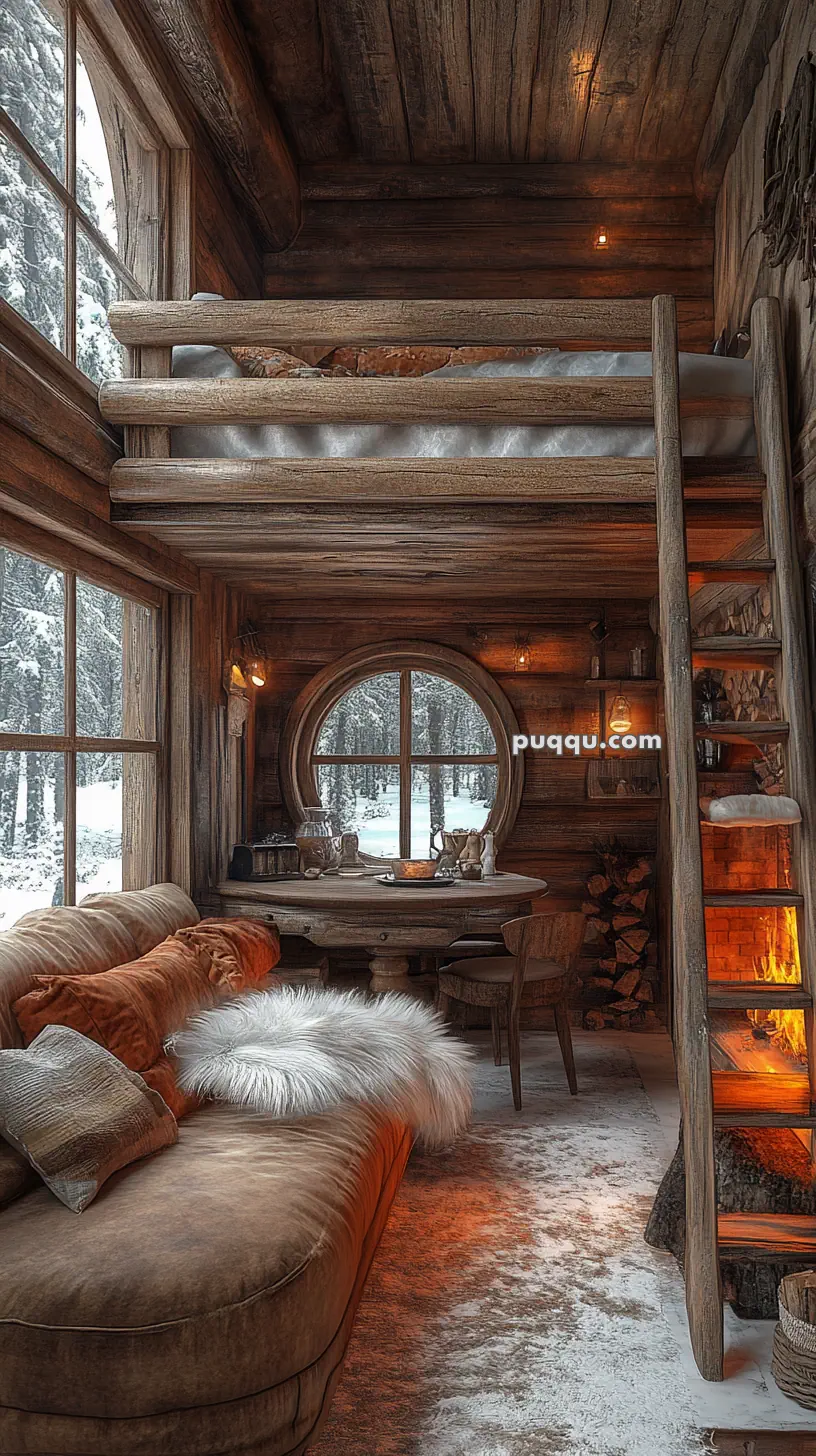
(77, 1113)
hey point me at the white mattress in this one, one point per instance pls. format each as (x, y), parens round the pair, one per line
(700, 375)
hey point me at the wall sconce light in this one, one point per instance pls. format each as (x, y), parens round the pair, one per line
(601, 237)
(522, 653)
(620, 714)
(248, 663)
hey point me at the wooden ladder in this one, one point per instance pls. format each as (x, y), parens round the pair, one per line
(722, 1099)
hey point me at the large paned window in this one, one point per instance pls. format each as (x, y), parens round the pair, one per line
(79, 737)
(79, 182)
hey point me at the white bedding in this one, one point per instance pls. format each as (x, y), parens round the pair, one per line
(700, 374)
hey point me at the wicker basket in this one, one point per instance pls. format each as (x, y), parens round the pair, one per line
(794, 1348)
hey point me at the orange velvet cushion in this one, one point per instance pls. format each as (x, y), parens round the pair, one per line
(131, 1009)
(241, 952)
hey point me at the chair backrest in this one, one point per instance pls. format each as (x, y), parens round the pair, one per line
(557, 937)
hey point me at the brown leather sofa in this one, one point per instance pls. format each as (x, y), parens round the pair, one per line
(176, 1316)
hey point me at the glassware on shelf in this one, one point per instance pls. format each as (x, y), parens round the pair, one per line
(315, 839)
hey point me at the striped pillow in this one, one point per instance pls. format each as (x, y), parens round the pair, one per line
(77, 1114)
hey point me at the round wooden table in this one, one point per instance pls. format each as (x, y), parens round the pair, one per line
(389, 922)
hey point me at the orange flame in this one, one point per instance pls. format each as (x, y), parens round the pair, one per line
(781, 965)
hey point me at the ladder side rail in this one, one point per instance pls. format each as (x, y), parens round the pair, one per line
(702, 1271)
(787, 595)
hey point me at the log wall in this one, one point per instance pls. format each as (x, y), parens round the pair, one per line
(740, 275)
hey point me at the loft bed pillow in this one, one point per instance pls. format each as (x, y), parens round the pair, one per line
(76, 1114)
(736, 811)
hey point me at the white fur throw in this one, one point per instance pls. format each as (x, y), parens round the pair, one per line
(293, 1053)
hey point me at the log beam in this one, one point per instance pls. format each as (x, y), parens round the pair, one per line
(209, 51)
(586, 322)
(394, 401)
(758, 26)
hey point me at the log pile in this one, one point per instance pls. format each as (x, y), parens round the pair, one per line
(621, 993)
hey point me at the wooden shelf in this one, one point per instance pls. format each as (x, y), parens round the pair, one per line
(751, 898)
(623, 684)
(743, 732)
(734, 651)
(762, 1099)
(753, 995)
(771, 1237)
(703, 573)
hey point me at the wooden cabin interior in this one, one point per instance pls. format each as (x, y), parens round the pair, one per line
(408, 454)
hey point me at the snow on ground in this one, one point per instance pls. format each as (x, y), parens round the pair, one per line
(377, 821)
(30, 878)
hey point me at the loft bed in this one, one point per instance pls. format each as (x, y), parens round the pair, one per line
(188, 498)
(703, 376)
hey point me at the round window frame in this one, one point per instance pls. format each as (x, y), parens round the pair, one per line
(316, 700)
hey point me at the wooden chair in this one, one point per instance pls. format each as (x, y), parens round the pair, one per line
(540, 970)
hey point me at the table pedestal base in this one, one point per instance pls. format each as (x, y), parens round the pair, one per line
(389, 970)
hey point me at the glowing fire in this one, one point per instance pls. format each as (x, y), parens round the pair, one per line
(786, 1029)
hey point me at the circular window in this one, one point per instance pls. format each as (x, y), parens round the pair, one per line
(401, 742)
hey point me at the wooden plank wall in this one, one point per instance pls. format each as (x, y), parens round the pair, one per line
(497, 247)
(739, 273)
(557, 825)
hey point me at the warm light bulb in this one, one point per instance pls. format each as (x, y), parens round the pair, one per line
(620, 717)
(602, 238)
(257, 674)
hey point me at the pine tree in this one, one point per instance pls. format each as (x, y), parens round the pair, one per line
(32, 228)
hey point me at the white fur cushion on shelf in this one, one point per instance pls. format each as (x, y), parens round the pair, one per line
(752, 810)
(296, 1052)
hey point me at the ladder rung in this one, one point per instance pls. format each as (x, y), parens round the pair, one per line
(734, 651)
(743, 732)
(762, 1099)
(740, 572)
(748, 898)
(772, 1237)
(753, 995)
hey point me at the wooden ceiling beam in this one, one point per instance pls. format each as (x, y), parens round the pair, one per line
(758, 26)
(211, 57)
(298, 73)
(361, 181)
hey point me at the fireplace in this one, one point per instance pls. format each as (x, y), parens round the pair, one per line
(753, 944)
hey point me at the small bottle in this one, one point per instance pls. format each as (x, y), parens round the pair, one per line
(595, 667)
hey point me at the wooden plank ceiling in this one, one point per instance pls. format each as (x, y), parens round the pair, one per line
(497, 81)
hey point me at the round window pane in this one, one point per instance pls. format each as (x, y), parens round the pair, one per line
(365, 721)
(445, 719)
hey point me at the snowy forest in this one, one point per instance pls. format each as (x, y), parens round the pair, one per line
(32, 220)
(32, 785)
(445, 720)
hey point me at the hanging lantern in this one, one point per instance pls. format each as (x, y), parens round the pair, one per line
(256, 671)
(522, 656)
(620, 716)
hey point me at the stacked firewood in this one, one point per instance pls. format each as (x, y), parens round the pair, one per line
(621, 993)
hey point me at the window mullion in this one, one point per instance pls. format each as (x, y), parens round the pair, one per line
(405, 764)
(69, 711)
(70, 180)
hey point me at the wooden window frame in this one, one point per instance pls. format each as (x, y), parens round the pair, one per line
(144, 843)
(158, 231)
(299, 760)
